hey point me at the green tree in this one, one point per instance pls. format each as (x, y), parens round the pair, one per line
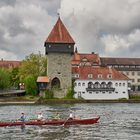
(34, 64)
(15, 77)
(30, 85)
(70, 93)
(49, 94)
(4, 79)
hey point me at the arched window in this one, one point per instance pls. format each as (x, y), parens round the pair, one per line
(55, 83)
(103, 85)
(90, 85)
(97, 85)
(79, 84)
(83, 84)
(109, 85)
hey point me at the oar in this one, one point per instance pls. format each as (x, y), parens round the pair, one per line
(65, 121)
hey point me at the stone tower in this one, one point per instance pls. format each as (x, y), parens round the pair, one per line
(59, 47)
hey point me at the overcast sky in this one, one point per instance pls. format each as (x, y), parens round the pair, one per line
(110, 28)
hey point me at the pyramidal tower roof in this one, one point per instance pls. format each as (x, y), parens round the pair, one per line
(59, 34)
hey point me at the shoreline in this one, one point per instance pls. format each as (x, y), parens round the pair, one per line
(65, 101)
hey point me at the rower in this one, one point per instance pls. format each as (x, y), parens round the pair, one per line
(71, 117)
(23, 117)
(57, 116)
(40, 117)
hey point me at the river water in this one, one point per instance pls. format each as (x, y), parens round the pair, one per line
(119, 121)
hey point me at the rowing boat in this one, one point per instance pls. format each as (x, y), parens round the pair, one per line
(51, 122)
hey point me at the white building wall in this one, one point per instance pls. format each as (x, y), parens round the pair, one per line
(121, 90)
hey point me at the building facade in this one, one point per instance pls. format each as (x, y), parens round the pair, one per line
(129, 66)
(9, 64)
(99, 83)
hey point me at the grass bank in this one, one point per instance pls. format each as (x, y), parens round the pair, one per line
(73, 101)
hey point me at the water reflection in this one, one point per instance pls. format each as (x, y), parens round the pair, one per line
(22, 128)
(118, 121)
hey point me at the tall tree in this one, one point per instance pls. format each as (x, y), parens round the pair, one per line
(4, 79)
(34, 64)
(15, 77)
(30, 85)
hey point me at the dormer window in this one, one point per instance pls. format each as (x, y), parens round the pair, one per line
(90, 76)
(99, 76)
(76, 75)
(109, 76)
(84, 60)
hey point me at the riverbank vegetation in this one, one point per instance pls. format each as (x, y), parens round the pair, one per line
(30, 68)
(4, 79)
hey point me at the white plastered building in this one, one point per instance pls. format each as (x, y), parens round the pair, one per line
(99, 83)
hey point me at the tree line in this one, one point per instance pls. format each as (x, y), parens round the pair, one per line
(30, 68)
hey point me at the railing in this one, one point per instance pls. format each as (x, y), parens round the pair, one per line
(100, 89)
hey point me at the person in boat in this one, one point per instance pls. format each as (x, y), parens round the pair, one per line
(40, 117)
(23, 117)
(71, 117)
(57, 116)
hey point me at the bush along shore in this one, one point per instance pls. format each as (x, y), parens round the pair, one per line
(48, 98)
(41, 100)
(73, 101)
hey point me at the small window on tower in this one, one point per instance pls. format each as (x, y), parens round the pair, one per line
(49, 46)
(69, 46)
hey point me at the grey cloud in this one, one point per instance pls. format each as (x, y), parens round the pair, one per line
(90, 20)
(25, 24)
(7, 2)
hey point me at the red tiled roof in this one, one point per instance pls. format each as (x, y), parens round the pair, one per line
(9, 64)
(43, 79)
(59, 34)
(120, 61)
(95, 71)
(92, 58)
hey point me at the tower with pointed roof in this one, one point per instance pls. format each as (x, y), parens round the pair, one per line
(59, 47)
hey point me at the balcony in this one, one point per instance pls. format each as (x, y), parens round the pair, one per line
(100, 89)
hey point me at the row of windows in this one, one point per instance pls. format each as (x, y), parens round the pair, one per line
(100, 76)
(90, 92)
(103, 84)
(120, 84)
(126, 66)
(133, 80)
(133, 73)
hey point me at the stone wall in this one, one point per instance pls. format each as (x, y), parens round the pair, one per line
(59, 65)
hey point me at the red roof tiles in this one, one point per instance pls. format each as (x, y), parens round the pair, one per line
(89, 58)
(95, 71)
(120, 61)
(43, 79)
(59, 34)
(9, 64)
